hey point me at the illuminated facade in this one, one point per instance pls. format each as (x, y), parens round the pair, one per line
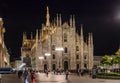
(77, 53)
(4, 55)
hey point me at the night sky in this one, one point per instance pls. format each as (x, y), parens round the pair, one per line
(101, 17)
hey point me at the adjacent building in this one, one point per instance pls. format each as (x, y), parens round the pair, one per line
(60, 44)
(4, 55)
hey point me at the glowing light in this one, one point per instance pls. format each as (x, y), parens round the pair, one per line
(47, 54)
(59, 49)
(41, 57)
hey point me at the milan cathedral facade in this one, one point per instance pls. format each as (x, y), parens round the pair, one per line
(60, 46)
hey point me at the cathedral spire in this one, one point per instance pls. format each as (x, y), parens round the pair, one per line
(47, 18)
(77, 37)
(1, 22)
(71, 21)
(24, 36)
(81, 33)
(91, 39)
(40, 35)
(82, 46)
(60, 20)
(57, 20)
(36, 35)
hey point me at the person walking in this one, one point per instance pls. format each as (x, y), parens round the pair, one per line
(32, 76)
(46, 71)
(78, 72)
(67, 73)
(19, 73)
(25, 75)
(94, 72)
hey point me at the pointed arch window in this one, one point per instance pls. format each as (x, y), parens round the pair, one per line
(85, 65)
(85, 57)
(66, 50)
(77, 48)
(65, 37)
(53, 56)
(45, 57)
(77, 56)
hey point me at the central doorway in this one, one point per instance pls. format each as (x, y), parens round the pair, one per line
(45, 66)
(65, 65)
(53, 67)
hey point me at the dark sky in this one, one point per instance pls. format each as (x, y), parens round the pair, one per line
(101, 17)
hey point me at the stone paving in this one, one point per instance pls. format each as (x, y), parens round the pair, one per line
(42, 78)
(51, 78)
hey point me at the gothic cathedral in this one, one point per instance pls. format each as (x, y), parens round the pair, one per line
(58, 46)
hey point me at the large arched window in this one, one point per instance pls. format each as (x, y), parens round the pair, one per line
(77, 56)
(85, 57)
(53, 56)
(85, 65)
(65, 37)
(66, 50)
(77, 48)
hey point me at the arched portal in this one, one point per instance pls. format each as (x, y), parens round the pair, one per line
(77, 66)
(65, 65)
(53, 67)
(45, 66)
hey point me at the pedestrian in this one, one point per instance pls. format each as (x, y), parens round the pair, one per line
(78, 72)
(94, 72)
(0, 78)
(46, 71)
(25, 75)
(19, 73)
(67, 73)
(32, 76)
(82, 72)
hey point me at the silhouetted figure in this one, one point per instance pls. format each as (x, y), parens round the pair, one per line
(46, 71)
(94, 72)
(78, 72)
(67, 73)
(25, 75)
(19, 73)
(32, 76)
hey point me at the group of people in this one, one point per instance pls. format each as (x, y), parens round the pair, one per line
(27, 72)
(92, 72)
(25, 75)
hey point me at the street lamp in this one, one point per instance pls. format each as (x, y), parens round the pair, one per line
(59, 49)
